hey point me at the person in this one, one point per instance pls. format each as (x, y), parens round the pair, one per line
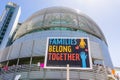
(41, 65)
(113, 71)
(5, 68)
(38, 64)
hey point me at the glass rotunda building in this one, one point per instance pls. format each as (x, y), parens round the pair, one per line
(27, 51)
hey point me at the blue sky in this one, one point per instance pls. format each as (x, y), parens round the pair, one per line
(105, 13)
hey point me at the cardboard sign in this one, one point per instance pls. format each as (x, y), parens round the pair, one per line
(74, 51)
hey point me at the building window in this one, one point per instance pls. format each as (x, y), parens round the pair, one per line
(1, 37)
(4, 29)
(39, 59)
(12, 62)
(68, 19)
(23, 61)
(3, 33)
(3, 63)
(52, 19)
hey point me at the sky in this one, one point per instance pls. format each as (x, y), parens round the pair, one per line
(106, 13)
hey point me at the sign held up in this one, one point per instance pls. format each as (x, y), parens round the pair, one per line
(74, 51)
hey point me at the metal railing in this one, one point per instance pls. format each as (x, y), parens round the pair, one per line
(96, 73)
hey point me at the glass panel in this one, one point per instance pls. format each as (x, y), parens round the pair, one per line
(3, 63)
(60, 28)
(12, 62)
(35, 60)
(68, 19)
(37, 22)
(24, 61)
(82, 23)
(52, 19)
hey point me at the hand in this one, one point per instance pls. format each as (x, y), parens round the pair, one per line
(83, 55)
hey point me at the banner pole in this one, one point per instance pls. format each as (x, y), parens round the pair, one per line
(68, 71)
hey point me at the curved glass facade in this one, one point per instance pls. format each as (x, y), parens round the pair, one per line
(59, 17)
(27, 52)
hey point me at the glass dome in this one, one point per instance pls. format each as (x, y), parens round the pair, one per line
(60, 17)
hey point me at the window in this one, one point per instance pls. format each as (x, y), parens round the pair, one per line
(24, 61)
(4, 29)
(2, 33)
(12, 62)
(1, 37)
(6, 26)
(35, 60)
(52, 19)
(68, 19)
(3, 63)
